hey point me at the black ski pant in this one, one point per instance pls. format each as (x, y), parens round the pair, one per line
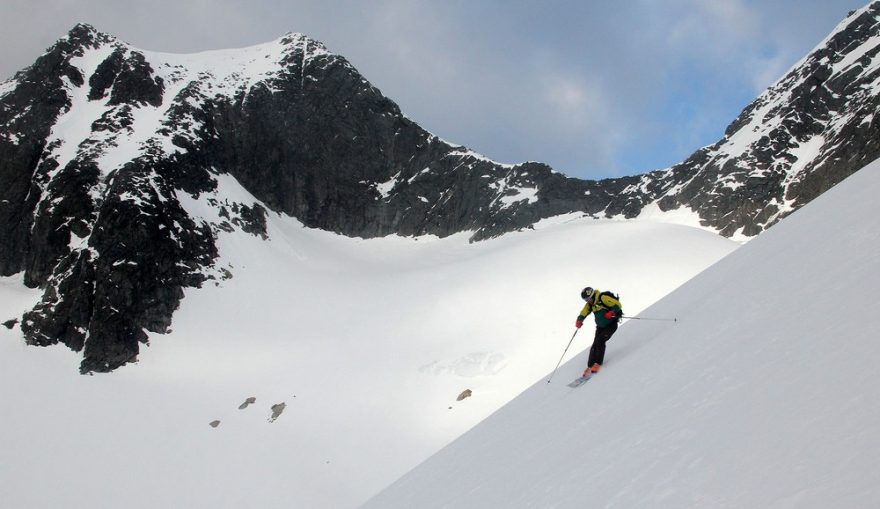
(603, 335)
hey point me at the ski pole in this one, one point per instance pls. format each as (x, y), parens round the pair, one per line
(654, 319)
(563, 355)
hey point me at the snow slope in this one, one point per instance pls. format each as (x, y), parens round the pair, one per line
(763, 394)
(367, 342)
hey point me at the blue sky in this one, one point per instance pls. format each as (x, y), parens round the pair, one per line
(595, 89)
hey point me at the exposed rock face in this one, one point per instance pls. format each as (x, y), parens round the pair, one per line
(113, 250)
(104, 149)
(806, 133)
(277, 410)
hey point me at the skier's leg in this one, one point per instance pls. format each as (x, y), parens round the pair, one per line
(603, 335)
(600, 350)
(597, 351)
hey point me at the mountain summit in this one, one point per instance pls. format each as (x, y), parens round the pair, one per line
(110, 159)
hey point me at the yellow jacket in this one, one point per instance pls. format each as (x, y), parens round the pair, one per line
(602, 303)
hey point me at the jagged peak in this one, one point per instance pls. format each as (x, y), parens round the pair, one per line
(297, 38)
(310, 48)
(83, 29)
(853, 15)
(855, 36)
(84, 34)
(854, 19)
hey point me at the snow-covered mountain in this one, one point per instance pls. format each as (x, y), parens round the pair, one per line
(807, 132)
(367, 343)
(103, 146)
(130, 179)
(762, 394)
(109, 156)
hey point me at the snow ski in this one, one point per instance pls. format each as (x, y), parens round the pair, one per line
(580, 381)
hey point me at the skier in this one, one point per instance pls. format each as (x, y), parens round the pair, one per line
(605, 307)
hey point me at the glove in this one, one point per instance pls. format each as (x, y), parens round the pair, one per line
(609, 315)
(579, 323)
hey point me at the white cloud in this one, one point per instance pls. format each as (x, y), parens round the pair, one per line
(714, 28)
(572, 101)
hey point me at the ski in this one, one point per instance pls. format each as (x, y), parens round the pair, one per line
(580, 381)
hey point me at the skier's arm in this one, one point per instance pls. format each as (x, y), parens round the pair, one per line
(613, 313)
(586, 311)
(614, 308)
(584, 314)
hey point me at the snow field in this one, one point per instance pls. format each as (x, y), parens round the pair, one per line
(763, 394)
(368, 342)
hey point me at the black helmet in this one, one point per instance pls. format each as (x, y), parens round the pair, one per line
(587, 294)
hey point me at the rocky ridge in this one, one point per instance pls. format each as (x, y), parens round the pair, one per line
(110, 156)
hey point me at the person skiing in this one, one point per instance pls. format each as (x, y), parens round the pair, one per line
(607, 311)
